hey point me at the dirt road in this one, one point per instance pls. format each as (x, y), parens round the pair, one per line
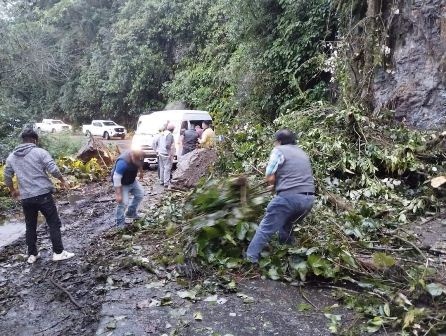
(116, 285)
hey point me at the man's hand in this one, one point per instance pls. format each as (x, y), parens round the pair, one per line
(271, 179)
(118, 194)
(141, 175)
(64, 185)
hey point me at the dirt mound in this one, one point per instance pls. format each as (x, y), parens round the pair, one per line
(191, 167)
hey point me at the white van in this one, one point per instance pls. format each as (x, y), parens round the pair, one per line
(149, 125)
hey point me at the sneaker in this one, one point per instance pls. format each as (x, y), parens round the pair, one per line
(62, 256)
(136, 215)
(32, 258)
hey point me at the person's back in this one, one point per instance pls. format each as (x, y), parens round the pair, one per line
(165, 143)
(295, 173)
(190, 141)
(31, 164)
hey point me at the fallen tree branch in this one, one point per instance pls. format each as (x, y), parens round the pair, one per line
(55, 283)
(307, 299)
(415, 247)
(53, 325)
(338, 202)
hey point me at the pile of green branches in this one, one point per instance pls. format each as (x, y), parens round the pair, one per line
(371, 181)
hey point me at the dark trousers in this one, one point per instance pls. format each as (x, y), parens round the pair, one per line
(45, 204)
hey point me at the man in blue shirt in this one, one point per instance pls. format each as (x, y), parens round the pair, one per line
(289, 171)
(124, 174)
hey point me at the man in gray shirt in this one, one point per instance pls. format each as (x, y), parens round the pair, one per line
(289, 171)
(31, 165)
(166, 152)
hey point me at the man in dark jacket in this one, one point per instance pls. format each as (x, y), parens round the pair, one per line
(30, 164)
(190, 140)
(124, 174)
(289, 171)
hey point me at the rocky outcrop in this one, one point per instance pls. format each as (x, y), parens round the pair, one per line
(414, 85)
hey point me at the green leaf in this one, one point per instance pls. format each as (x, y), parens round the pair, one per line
(435, 289)
(273, 274)
(303, 307)
(382, 260)
(374, 324)
(246, 299)
(348, 258)
(198, 316)
(241, 230)
(187, 294)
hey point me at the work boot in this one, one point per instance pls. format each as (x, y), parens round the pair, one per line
(64, 255)
(32, 258)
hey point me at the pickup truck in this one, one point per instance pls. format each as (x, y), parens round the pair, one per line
(104, 128)
(52, 126)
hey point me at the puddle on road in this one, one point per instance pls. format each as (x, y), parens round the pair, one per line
(10, 230)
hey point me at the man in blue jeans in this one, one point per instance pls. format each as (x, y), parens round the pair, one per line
(124, 174)
(31, 165)
(289, 171)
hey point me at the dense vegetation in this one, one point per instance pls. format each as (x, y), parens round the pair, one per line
(78, 59)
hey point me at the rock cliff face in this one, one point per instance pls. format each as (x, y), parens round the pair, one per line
(414, 86)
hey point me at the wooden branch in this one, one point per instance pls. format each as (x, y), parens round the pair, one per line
(55, 283)
(338, 202)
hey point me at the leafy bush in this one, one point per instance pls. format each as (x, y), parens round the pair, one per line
(82, 172)
(60, 145)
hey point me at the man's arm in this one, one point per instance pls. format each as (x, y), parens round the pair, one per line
(8, 175)
(155, 142)
(50, 166)
(276, 159)
(120, 168)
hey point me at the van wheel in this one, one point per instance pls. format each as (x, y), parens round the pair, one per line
(106, 136)
(88, 134)
(53, 130)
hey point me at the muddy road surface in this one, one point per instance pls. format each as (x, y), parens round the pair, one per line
(116, 284)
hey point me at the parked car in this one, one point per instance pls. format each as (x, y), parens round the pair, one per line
(52, 126)
(148, 126)
(105, 128)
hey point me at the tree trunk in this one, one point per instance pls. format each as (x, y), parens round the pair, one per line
(369, 52)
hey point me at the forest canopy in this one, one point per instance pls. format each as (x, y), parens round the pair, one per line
(79, 59)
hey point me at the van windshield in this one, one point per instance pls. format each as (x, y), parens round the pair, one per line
(109, 123)
(152, 127)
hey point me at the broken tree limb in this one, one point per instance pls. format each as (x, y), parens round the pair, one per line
(415, 247)
(53, 325)
(55, 283)
(95, 148)
(337, 202)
